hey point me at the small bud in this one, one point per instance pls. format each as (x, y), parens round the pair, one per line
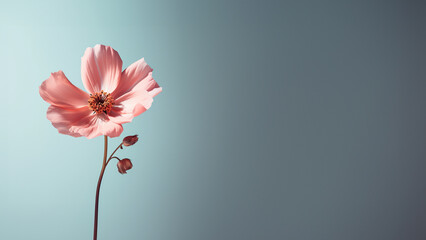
(130, 140)
(124, 165)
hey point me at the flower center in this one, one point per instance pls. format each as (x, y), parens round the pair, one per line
(101, 102)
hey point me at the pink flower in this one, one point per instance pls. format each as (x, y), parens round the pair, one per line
(114, 97)
(130, 140)
(124, 165)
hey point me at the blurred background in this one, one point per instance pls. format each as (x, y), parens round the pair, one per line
(278, 120)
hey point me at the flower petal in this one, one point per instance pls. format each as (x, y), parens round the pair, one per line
(131, 104)
(118, 116)
(137, 72)
(101, 69)
(64, 119)
(97, 125)
(82, 122)
(59, 91)
(150, 85)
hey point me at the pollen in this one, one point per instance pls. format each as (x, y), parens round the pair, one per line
(101, 102)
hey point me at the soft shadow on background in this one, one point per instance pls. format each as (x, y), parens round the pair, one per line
(278, 120)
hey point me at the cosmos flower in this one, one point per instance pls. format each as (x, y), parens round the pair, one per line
(114, 97)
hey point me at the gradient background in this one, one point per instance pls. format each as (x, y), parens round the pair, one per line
(277, 120)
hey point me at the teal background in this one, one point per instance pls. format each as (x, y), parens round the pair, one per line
(278, 120)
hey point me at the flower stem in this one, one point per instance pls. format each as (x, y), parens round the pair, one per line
(104, 164)
(112, 154)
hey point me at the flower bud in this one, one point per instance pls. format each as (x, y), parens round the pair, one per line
(130, 140)
(124, 165)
